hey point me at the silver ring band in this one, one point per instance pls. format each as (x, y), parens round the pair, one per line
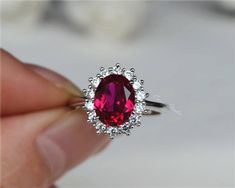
(153, 108)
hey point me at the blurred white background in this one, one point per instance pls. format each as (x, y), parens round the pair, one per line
(185, 52)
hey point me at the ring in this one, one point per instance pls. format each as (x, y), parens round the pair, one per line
(115, 101)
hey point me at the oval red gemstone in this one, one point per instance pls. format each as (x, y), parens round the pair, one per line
(114, 100)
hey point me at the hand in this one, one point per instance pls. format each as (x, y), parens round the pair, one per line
(41, 137)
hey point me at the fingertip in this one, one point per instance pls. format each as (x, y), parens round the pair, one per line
(56, 79)
(24, 90)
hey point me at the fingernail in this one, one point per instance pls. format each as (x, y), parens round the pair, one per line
(56, 79)
(68, 142)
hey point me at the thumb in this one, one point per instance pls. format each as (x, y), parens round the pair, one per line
(39, 147)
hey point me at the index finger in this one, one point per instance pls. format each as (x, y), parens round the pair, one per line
(24, 90)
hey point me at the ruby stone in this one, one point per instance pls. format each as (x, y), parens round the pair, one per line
(114, 100)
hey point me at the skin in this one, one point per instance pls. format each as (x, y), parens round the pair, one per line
(41, 138)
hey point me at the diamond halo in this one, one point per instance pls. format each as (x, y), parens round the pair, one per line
(139, 103)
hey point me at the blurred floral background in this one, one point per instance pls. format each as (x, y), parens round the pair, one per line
(185, 52)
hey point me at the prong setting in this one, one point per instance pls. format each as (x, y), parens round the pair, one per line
(101, 69)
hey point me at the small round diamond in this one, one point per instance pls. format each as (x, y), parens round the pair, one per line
(125, 126)
(117, 70)
(128, 74)
(92, 117)
(89, 105)
(90, 93)
(134, 120)
(95, 82)
(101, 128)
(140, 95)
(136, 84)
(139, 108)
(98, 125)
(105, 73)
(112, 131)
